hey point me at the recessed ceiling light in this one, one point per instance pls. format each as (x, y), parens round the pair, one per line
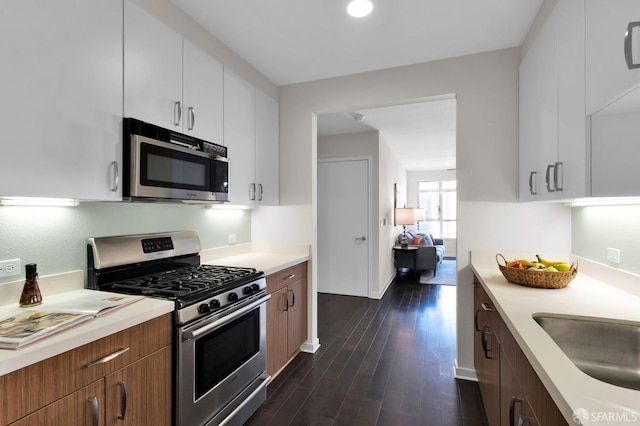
(359, 8)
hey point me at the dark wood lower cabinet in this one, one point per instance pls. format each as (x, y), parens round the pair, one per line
(512, 393)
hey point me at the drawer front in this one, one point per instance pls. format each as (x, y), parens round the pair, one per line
(283, 278)
(61, 375)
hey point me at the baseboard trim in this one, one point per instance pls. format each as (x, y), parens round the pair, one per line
(464, 373)
(380, 294)
(310, 347)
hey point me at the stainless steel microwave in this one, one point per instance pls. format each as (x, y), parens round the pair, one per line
(163, 165)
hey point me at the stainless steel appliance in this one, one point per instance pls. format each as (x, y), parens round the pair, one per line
(161, 164)
(220, 320)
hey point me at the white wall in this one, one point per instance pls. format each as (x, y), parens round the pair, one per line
(486, 89)
(391, 171)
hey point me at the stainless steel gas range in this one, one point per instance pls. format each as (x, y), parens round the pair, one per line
(220, 320)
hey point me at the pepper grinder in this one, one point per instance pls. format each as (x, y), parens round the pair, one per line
(31, 295)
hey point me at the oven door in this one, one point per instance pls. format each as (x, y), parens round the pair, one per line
(219, 358)
(162, 170)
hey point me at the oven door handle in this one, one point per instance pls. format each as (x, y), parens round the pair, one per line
(191, 335)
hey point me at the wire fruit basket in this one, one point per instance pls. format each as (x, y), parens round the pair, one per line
(537, 278)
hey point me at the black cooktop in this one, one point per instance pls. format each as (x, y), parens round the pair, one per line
(190, 282)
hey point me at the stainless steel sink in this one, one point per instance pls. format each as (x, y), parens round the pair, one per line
(604, 349)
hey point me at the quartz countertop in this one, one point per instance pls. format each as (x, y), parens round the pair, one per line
(591, 295)
(269, 258)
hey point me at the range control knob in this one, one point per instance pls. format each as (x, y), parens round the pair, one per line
(232, 297)
(255, 287)
(204, 308)
(248, 289)
(214, 304)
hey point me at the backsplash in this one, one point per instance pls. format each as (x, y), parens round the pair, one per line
(594, 229)
(55, 237)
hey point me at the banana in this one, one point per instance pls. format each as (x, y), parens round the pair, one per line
(511, 264)
(546, 262)
(559, 265)
(526, 263)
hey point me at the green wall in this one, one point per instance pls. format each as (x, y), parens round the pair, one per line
(596, 228)
(55, 237)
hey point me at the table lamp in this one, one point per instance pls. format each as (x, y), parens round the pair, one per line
(407, 216)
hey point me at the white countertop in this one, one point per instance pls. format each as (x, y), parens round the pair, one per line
(269, 258)
(87, 332)
(570, 388)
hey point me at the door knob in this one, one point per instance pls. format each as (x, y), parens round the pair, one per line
(363, 238)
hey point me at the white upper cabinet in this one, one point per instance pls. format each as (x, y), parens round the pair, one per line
(202, 95)
(571, 170)
(61, 99)
(168, 81)
(251, 133)
(240, 137)
(608, 74)
(552, 114)
(613, 96)
(267, 150)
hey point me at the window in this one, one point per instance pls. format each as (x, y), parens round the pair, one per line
(438, 199)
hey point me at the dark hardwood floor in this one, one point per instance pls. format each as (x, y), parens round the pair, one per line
(381, 362)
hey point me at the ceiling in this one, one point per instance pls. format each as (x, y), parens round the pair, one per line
(422, 135)
(295, 41)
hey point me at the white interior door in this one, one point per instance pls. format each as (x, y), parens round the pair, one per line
(343, 227)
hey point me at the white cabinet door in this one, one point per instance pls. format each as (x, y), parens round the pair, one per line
(608, 76)
(529, 153)
(547, 43)
(61, 103)
(239, 137)
(553, 142)
(572, 137)
(267, 150)
(153, 70)
(615, 148)
(202, 95)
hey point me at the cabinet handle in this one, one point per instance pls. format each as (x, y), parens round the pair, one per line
(259, 192)
(486, 337)
(487, 307)
(512, 409)
(107, 358)
(116, 176)
(192, 118)
(558, 176)
(286, 301)
(123, 400)
(548, 177)
(533, 191)
(628, 45)
(290, 277)
(95, 414)
(252, 191)
(177, 113)
(475, 320)
(293, 298)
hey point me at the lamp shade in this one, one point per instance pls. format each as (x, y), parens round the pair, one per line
(408, 215)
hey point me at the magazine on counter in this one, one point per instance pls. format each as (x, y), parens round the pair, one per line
(20, 326)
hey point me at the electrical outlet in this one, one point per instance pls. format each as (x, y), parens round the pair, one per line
(232, 239)
(613, 255)
(9, 268)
